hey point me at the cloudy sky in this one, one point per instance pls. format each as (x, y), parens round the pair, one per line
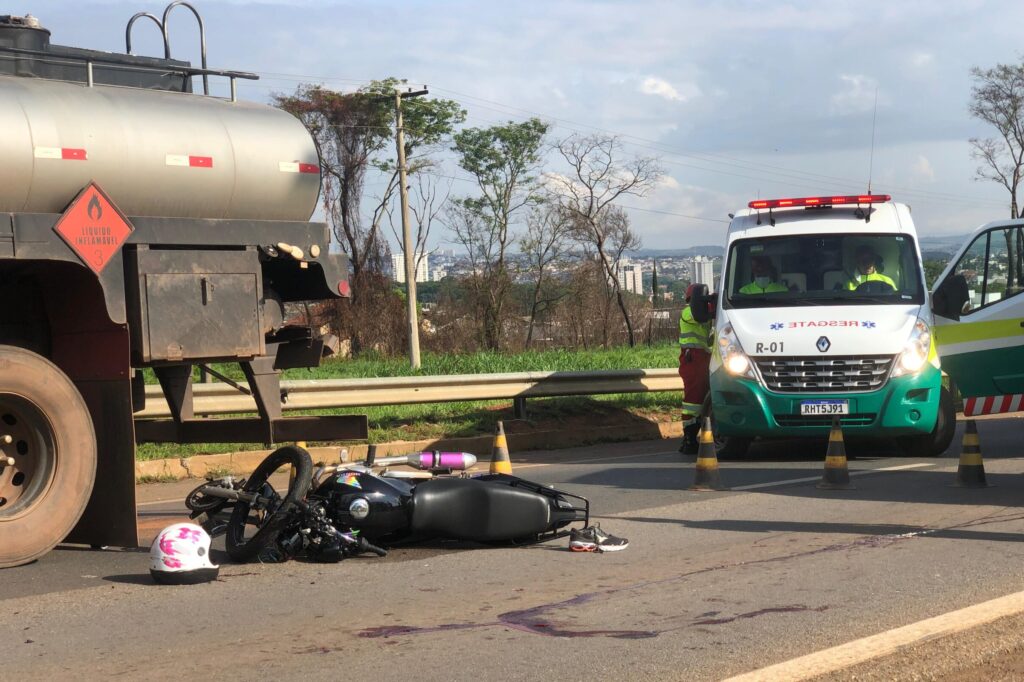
(738, 99)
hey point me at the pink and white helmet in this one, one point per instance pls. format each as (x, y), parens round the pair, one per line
(180, 555)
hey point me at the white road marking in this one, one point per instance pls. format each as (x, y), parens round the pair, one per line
(885, 643)
(808, 479)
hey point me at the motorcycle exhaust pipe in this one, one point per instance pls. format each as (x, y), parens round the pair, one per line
(425, 461)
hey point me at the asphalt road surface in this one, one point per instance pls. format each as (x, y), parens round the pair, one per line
(712, 585)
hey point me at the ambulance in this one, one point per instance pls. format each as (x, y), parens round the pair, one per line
(979, 319)
(821, 312)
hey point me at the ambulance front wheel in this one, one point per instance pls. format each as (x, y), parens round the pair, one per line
(936, 442)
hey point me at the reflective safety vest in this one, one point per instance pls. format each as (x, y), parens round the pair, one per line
(755, 288)
(693, 334)
(859, 279)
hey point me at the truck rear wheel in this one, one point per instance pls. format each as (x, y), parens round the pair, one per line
(46, 429)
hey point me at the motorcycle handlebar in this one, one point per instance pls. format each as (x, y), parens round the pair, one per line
(366, 546)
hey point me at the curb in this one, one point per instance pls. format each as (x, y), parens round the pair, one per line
(243, 463)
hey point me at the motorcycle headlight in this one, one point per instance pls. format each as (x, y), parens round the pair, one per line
(734, 359)
(914, 355)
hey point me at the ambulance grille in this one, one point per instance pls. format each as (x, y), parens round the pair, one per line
(825, 374)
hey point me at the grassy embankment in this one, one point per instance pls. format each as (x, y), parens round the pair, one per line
(436, 420)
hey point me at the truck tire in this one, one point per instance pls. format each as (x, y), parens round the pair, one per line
(53, 445)
(936, 442)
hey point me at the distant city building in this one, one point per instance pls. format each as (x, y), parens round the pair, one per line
(631, 277)
(703, 271)
(438, 273)
(422, 268)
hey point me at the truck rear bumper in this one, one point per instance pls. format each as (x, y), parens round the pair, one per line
(906, 405)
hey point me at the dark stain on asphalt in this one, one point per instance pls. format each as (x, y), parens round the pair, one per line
(533, 620)
(760, 612)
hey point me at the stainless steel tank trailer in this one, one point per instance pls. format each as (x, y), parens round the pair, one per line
(142, 225)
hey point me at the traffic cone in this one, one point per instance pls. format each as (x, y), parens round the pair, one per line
(705, 475)
(837, 475)
(971, 472)
(500, 463)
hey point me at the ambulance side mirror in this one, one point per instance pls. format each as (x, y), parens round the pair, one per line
(702, 304)
(950, 297)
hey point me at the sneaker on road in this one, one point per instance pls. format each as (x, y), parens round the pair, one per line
(593, 539)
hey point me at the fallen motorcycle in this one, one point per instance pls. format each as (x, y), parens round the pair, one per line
(330, 512)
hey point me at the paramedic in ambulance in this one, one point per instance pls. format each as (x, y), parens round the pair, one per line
(867, 262)
(763, 273)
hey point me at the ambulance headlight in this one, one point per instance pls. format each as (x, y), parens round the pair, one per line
(914, 356)
(734, 359)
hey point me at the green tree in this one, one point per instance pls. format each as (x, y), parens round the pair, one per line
(354, 133)
(932, 270)
(502, 160)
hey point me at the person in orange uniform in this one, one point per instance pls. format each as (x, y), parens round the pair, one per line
(694, 358)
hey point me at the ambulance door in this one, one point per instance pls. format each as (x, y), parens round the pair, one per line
(979, 318)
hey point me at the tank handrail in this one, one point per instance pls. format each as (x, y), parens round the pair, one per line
(131, 22)
(202, 38)
(112, 62)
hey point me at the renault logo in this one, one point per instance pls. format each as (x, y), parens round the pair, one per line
(823, 343)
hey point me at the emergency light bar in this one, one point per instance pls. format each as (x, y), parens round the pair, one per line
(820, 201)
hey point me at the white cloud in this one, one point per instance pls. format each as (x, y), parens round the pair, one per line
(659, 87)
(666, 181)
(921, 59)
(922, 169)
(857, 96)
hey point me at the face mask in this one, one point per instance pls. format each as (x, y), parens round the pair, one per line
(762, 281)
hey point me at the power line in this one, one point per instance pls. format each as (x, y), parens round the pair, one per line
(770, 172)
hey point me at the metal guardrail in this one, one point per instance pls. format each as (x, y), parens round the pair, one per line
(219, 398)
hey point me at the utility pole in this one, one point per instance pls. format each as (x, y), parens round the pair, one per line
(407, 246)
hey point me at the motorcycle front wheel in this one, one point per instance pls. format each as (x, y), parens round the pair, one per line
(256, 525)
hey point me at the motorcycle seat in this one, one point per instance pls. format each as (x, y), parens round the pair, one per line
(481, 511)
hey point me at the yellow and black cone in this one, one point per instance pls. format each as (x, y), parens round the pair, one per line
(837, 473)
(706, 476)
(500, 463)
(971, 472)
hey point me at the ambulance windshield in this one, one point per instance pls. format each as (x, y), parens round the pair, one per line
(823, 269)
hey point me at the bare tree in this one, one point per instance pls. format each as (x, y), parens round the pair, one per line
(428, 200)
(489, 282)
(997, 98)
(600, 176)
(543, 245)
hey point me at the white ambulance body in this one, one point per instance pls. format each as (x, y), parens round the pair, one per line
(822, 312)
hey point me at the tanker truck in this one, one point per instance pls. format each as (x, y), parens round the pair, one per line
(143, 224)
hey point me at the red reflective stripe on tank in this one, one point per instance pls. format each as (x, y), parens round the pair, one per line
(298, 167)
(65, 153)
(986, 407)
(200, 161)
